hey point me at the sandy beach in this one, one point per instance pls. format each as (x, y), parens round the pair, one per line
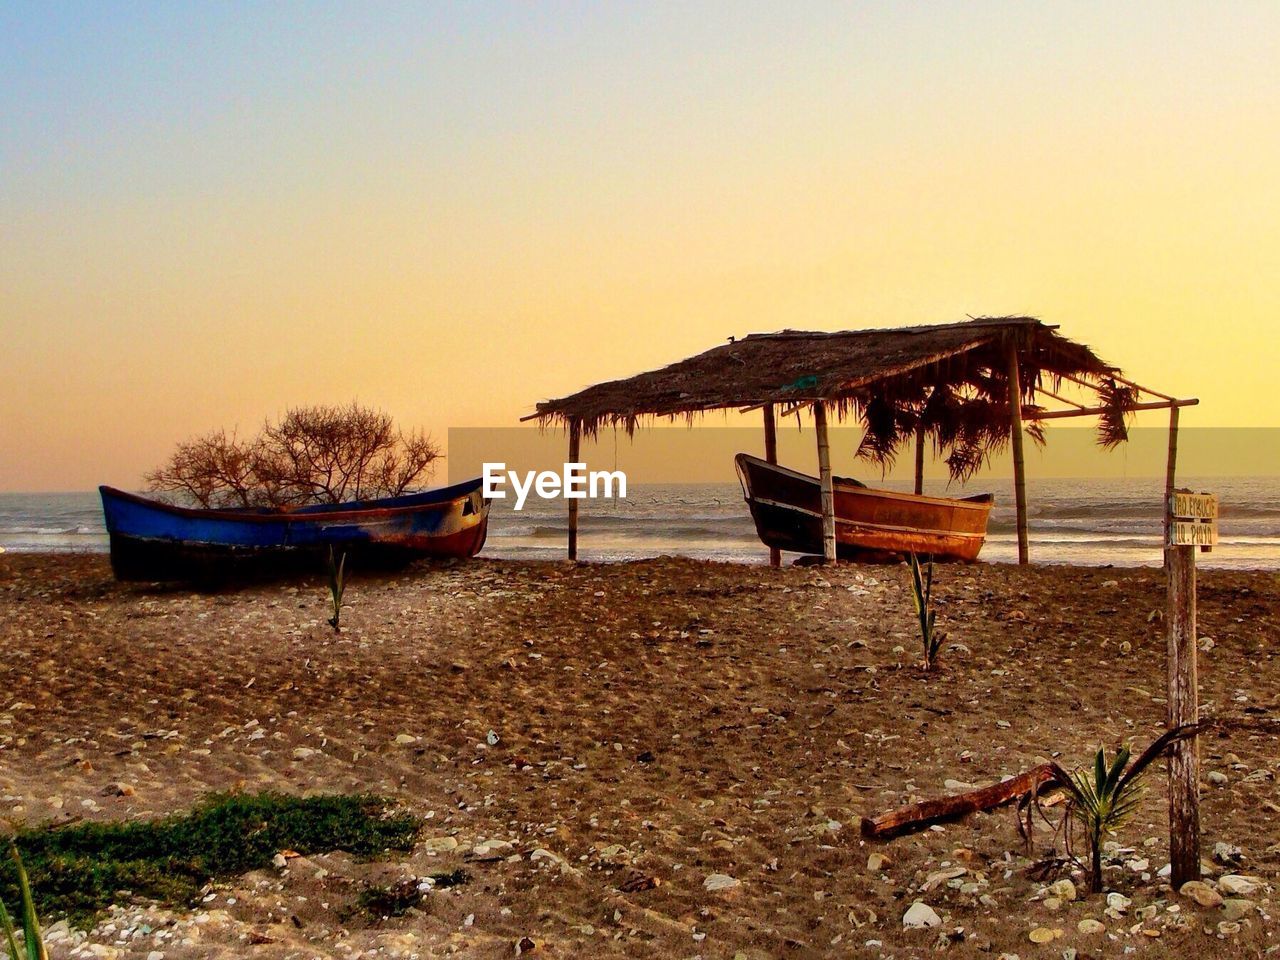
(599, 746)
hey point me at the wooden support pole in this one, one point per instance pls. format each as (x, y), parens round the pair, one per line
(1049, 393)
(1184, 707)
(1032, 414)
(1140, 388)
(1019, 463)
(919, 460)
(1119, 379)
(1170, 479)
(771, 455)
(575, 449)
(828, 488)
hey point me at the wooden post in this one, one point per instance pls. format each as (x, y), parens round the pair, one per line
(1019, 463)
(1170, 472)
(828, 490)
(919, 460)
(1184, 707)
(771, 455)
(575, 446)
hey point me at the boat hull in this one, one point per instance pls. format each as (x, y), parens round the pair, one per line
(153, 541)
(871, 525)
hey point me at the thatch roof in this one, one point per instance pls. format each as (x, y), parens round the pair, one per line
(949, 380)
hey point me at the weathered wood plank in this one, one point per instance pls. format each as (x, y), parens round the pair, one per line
(917, 816)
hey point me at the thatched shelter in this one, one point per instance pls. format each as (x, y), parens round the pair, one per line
(948, 384)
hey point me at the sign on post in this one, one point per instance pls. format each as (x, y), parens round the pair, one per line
(1192, 533)
(1192, 521)
(1195, 506)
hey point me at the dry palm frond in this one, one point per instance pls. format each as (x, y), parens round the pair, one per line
(969, 431)
(1117, 406)
(888, 427)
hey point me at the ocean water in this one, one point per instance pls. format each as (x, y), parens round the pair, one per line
(1088, 522)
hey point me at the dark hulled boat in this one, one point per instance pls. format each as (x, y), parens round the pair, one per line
(151, 540)
(870, 524)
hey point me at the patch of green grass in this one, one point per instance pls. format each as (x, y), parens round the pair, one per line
(396, 899)
(454, 879)
(77, 871)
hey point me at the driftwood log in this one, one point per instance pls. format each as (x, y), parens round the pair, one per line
(916, 816)
(1047, 776)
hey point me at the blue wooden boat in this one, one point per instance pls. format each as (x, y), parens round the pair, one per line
(152, 540)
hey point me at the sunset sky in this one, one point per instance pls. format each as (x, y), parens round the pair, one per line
(210, 212)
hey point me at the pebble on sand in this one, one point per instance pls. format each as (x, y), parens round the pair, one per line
(920, 914)
(1063, 889)
(1201, 893)
(1237, 885)
(720, 881)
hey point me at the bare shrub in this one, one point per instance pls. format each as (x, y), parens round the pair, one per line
(320, 454)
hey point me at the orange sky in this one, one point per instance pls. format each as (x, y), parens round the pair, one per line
(454, 212)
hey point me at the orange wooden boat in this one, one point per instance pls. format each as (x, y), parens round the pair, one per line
(871, 525)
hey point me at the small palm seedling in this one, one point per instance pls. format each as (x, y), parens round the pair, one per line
(32, 941)
(337, 586)
(1101, 799)
(922, 596)
(1102, 804)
